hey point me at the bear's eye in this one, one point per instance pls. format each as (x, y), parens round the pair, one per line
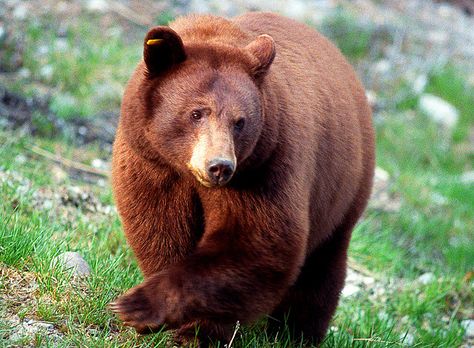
(239, 125)
(196, 115)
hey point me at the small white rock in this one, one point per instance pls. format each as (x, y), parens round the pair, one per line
(439, 110)
(98, 163)
(61, 45)
(20, 11)
(97, 5)
(426, 278)
(383, 66)
(72, 261)
(420, 83)
(350, 290)
(438, 198)
(468, 325)
(20, 159)
(297, 9)
(371, 97)
(47, 204)
(357, 278)
(29, 328)
(383, 316)
(468, 177)
(437, 37)
(43, 50)
(24, 73)
(199, 6)
(381, 174)
(59, 175)
(408, 339)
(82, 130)
(46, 72)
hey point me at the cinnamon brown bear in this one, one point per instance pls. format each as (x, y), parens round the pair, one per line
(243, 159)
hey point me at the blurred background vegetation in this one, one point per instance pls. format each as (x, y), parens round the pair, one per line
(63, 68)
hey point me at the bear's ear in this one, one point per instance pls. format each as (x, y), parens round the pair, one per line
(263, 49)
(163, 48)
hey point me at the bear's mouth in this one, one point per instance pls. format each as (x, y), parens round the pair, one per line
(200, 178)
(203, 179)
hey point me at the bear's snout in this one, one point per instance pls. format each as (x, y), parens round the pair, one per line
(220, 171)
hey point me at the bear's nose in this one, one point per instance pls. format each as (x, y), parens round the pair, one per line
(220, 170)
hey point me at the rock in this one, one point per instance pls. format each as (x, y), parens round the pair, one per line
(426, 278)
(99, 164)
(46, 72)
(407, 339)
(97, 5)
(381, 175)
(28, 328)
(468, 325)
(439, 199)
(371, 97)
(420, 83)
(382, 67)
(72, 261)
(350, 290)
(43, 50)
(467, 177)
(297, 10)
(438, 37)
(20, 159)
(381, 198)
(59, 175)
(79, 197)
(356, 282)
(20, 12)
(82, 130)
(357, 278)
(24, 73)
(199, 6)
(439, 110)
(61, 45)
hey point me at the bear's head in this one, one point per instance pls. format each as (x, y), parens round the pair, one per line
(203, 102)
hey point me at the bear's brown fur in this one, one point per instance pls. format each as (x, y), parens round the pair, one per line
(266, 230)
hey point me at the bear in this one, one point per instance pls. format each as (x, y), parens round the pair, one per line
(243, 158)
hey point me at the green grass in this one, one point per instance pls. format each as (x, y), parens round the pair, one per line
(84, 67)
(447, 82)
(436, 223)
(351, 36)
(398, 246)
(432, 232)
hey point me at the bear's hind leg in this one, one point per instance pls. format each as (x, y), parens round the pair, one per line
(311, 302)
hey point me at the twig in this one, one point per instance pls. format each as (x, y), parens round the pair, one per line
(377, 340)
(129, 14)
(67, 162)
(361, 269)
(237, 325)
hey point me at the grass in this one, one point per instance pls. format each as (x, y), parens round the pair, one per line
(432, 232)
(83, 66)
(429, 234)
(351, 35)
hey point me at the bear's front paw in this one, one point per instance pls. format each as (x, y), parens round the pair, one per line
(138, 309)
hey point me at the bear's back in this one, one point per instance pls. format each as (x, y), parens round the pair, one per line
(327, 107)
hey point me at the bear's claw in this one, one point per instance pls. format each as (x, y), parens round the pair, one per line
(135, 310)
